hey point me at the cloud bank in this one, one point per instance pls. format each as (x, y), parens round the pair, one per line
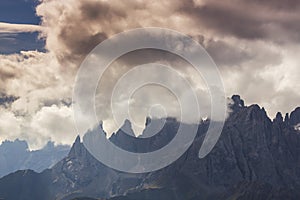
(254, 43)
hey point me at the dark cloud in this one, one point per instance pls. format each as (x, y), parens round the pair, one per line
(79, 37)
(78, 46)
(85, 24)
(93, 11)
(229, 53)
(271, 20)
(224, 20)
(225, 54)
(79, 32)
(289, 5)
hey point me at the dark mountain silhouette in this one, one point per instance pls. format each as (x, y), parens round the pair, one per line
(255, 158)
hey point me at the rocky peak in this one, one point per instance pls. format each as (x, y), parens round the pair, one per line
(124, 137)
(237, 100)
(254, 112)
(237, 103)
(17, 145)
(148, 121)
(100, 128)
(278, 118)
(295, 117)
(77, 140)
(286, 118)
(127, 128)
(76, 148)
(49, 146)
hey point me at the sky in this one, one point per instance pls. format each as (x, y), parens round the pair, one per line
(20, 12)
(255, 45)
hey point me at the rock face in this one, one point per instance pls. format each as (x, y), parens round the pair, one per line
(255, 158)
(295, 117)
(16, 156)
(137, 144)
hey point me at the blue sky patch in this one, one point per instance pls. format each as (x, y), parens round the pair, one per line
(19, 12)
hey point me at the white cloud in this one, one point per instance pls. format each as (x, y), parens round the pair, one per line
(20, 28)
(10, 125)
(42, 87)
(52, 123)
(36, 78)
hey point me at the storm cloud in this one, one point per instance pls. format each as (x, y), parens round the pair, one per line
(273, 20)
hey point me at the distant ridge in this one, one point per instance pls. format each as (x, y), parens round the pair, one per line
(15, 155)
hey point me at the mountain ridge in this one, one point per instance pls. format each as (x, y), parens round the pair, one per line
(15, 155)
(254, 156)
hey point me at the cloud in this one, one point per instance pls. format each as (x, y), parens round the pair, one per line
(222, 27)
(20, 28)
(275, 21)
(53, 123)
(42, 88)
(254, 43)
(78, 26)
(36, 78)
(267, 82)
(10, 125)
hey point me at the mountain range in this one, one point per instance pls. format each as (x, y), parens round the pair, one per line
(255, 158)
(15, 155)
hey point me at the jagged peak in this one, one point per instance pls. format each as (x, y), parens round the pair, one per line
(286, 118)
(255, 107)
(255, 110)
(127, 122)
(236, 103)
(295, 117)
(100, 127)
(237, 100)
(75, 149)
(148, 121)
(100, 124)
(17, 142)
(278, 117)
(259, 112)
(126, 128)
(49, 145)
(249, 113)
(77, 140)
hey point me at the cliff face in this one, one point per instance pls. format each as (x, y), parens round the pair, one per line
(255, 158)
